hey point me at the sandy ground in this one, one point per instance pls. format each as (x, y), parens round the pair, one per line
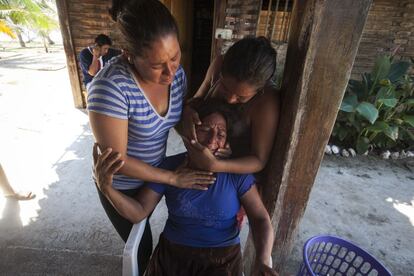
(46, 148)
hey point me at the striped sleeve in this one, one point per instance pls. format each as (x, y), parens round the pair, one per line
(184, 83)
(105, 97)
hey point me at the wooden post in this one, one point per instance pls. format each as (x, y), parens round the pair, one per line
(182, 10)
(219, 18)
(323, 43)
(71, 59)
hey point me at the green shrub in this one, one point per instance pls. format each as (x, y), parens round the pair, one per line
(378, 110)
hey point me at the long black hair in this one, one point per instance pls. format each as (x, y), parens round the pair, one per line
(252, 60)
(141, 22)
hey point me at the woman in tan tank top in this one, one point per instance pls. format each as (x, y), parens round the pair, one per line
(243, 79)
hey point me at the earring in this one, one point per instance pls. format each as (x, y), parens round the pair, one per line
(130, 60)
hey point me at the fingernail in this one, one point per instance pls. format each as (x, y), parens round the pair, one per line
(193, 141)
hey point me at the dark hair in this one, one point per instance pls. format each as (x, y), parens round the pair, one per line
(141, 22)
(205, 108)
(250, 59)
(102, 39)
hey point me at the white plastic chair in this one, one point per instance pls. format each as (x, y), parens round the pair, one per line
(129, 258)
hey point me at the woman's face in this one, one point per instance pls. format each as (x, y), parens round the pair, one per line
(159, 62)
(235, 92)
(212, 133)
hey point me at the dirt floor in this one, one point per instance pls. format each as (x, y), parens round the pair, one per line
(46, 148)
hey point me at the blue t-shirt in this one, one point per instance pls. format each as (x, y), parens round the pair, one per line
(85, 60)
(203, 218)
(115, 93)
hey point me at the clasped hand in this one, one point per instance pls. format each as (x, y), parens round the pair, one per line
(105, 165)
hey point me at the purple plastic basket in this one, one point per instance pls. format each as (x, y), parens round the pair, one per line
(333, 256)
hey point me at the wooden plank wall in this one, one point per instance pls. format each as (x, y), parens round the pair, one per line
(390, 24)
(70, 52)
(241, 16)
(82, 20)
(281, 29)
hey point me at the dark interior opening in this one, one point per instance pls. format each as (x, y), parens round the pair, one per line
(202, 37)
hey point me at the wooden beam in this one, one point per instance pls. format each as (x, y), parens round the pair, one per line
(323, 43)
(71, 59)
(219, 19)
(182, 10)
(259, 9)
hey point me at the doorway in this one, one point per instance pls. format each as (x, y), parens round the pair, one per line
(203, 12)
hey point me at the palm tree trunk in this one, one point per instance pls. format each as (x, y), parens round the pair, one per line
(49, 40)
(19, 36)
(45, 43)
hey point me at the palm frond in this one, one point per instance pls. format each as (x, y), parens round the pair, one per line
(6, 29)
(33, 14)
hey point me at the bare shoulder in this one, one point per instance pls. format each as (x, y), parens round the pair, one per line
(269, 101)
(215, 68)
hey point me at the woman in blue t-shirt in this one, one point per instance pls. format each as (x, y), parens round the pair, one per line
(135, 100)
(201, 236)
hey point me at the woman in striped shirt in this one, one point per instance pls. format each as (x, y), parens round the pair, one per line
(135, 100)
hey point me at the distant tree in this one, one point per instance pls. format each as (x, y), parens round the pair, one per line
(37, 15)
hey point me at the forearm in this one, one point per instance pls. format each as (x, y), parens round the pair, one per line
(263, 239)
(140, 170)
(246, 164)
(186, 114)
(94, 67)
(189, 119)
(129, 208)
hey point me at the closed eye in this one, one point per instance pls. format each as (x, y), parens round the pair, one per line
(156, 67)
(204, 128)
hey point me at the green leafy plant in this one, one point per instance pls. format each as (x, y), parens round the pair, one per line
(378, 110)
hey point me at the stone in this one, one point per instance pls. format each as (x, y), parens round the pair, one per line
(386, 154)
(395, 155)
(328, 150)
(335, 150)
(352, 152)
(345, 153)
(409, 154)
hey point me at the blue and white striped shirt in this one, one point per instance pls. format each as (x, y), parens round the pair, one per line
(113, 92)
